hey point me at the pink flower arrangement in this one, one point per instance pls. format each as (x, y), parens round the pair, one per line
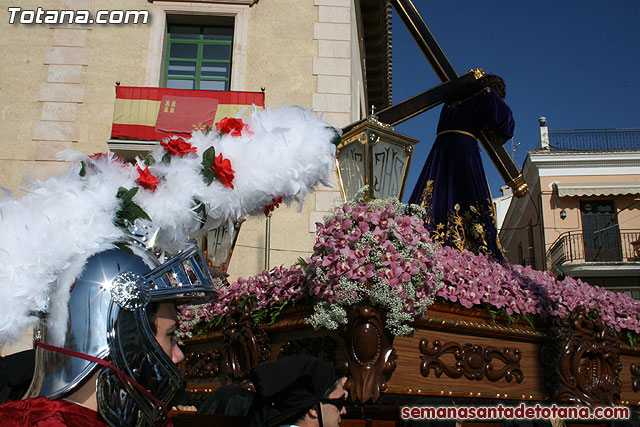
(472, 280)
(363, 252)
(374, 253)
(270, 291)
(380, 254)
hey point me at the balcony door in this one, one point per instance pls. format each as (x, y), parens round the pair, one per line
(600, 231)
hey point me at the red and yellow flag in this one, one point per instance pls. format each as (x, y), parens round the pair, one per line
(152, 113)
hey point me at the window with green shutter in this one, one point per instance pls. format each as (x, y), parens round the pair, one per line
(198, 57)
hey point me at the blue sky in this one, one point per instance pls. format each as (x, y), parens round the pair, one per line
(575, 62)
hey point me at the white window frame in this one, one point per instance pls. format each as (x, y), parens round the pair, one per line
(158, 36)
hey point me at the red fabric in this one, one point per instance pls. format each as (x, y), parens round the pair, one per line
(223, 97)
(147, 133)
(42, 412)
(123, 377)
(179, 114)
(157, 93)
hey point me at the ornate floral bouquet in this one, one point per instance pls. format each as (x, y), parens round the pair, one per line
(378, 253)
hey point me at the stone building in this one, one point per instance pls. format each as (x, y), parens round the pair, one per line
(582, 217)
(58, 82)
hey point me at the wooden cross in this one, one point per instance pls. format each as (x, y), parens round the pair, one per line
(424, 101)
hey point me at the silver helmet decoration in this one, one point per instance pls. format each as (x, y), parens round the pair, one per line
(58, 265)
(109, 311)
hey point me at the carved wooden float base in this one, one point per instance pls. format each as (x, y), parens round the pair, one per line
(454, 352)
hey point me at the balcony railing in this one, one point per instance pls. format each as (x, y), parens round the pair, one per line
(594, 140)
(570, 247)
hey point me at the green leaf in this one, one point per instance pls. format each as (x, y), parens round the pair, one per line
(201, 210)
(126, 195)
(510, 317)
(208, 175)
(129, 210)
(83, 171)
(208, 129)
(138, 212)
(336, 139)
(530, 320)
(208, 158)
(149, 160)
(166, 159)
(493, 313)
(277, 310)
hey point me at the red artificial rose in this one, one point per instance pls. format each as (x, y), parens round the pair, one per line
(274, 204)
(223, 171)
(146, 180)
(178, 146)
(231, 126)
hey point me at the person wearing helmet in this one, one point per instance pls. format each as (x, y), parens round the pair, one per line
(62, 261)
(117, 362)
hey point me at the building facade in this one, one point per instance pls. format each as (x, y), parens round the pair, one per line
(58, 82)
(582, 216)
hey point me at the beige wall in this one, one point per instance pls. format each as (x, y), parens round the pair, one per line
(58, 86)
(22, 71)
(57, 90)
(302, 57)
(628, 218)
(628, 213)
(117, 53)
(526, 221)
(280, 51)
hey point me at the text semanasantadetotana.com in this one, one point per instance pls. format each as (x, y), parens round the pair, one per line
(18, 15)
(514, 412)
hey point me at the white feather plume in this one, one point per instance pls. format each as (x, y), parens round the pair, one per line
(48, 234)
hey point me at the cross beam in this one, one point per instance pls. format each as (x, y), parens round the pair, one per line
(404, 110)
(422, 102)
(433, 97)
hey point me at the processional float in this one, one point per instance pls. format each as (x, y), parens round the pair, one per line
(455, 355)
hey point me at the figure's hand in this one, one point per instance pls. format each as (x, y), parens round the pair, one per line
(494, 136)
(184, 408)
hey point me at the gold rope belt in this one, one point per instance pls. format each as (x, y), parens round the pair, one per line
(456, 131)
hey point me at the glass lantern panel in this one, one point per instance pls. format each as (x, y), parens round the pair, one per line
(219, 242)
(352, 170)
(390, 163)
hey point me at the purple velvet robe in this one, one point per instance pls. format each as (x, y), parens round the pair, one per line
(452, 186)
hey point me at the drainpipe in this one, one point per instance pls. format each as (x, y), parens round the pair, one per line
(267, 242)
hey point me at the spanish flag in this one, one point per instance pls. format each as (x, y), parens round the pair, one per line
(153, 113)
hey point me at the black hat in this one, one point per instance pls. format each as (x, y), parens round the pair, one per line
(287, 388)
